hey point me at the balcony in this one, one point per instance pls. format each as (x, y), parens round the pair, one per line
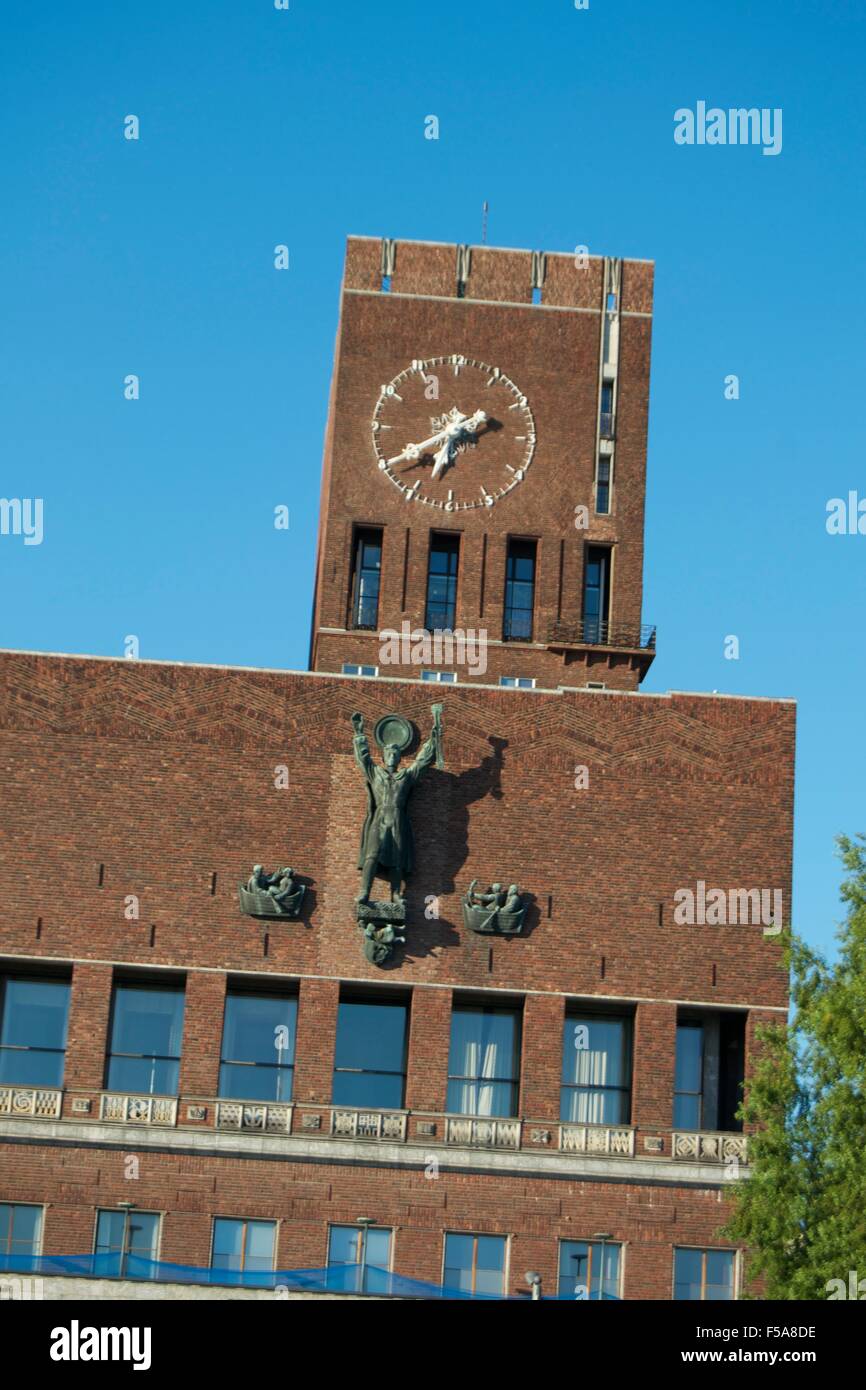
(40, 1103)
(595, 633)
(709, 1147)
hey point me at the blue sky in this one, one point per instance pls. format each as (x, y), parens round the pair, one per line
(261, 126)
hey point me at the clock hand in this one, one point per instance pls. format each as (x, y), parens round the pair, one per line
(413, 452)
(443, 458)
(446, 454)
(461, 424)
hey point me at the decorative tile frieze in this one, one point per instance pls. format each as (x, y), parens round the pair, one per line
(311, 1122)
(254, 1118)
(367, 1124)
(483, 1134)
(139, 1110)
(23, 1101)
(616, 1141)
(540, 1136)
(196, 1112)
(710, 1148)
(82, 1106)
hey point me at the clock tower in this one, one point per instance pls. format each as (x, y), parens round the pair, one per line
(484, 471)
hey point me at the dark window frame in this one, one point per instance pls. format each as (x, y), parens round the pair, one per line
(704, 1251)
(280, 1067)
(124, 1250)
(475, 1236)
(363, 536)
(513, 1080)
(592, 1246)
(245, 1222)
(697, 1025)
(575, 1017)
(374, 1001)
(6, 1238)
(9, 977)
(596, 628)
(447, 543)
(519, 548)
(155, 987)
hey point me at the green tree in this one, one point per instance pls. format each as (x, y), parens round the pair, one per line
(802, 1210)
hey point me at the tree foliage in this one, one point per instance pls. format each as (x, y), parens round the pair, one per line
(802, 1210)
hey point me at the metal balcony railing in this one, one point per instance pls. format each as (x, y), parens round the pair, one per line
(592, 632)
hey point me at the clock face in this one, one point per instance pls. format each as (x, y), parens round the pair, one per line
(453, 433)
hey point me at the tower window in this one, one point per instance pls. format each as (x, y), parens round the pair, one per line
(442, 567)
(519, 591)
(606, 422)
(602, 485)
(596, 594)
(366, 574)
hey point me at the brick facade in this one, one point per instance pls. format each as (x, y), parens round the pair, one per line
(137, 795)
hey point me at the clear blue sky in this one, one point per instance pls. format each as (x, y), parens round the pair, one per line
(260, 127)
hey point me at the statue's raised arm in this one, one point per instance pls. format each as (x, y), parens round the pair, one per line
(360, 744)
(431, 748)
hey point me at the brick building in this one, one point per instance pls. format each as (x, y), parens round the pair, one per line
(185, 1084)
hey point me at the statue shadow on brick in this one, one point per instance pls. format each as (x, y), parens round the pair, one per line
(448, 806)
(459, 791)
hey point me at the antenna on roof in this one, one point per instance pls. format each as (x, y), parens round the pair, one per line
(485, 208)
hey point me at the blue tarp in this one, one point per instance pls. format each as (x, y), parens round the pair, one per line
(336, 1279)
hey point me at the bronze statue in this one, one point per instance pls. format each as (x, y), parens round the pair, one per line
(271, 895)
(386, 839)
(494, 911)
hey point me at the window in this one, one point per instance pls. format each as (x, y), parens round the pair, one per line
(444, 677)
(258, 1047)
(243, 1245)
(688, 1076)
(366, 571)
(536, 294)
(708, 1079)
(33, 1018)
(703, 1275)
(124, 1234)
(606, 420)
(20, 1231)
(475, 1264)
(519, 591)
(520, 682)
(602, 485)
(596, 1070)
(580, 1269)
(483, 1062)
(362, 1254)
(370, 1055)
(596, 594)
(350, 670)
(611, 303)
(146, 1028)
(442, 567)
